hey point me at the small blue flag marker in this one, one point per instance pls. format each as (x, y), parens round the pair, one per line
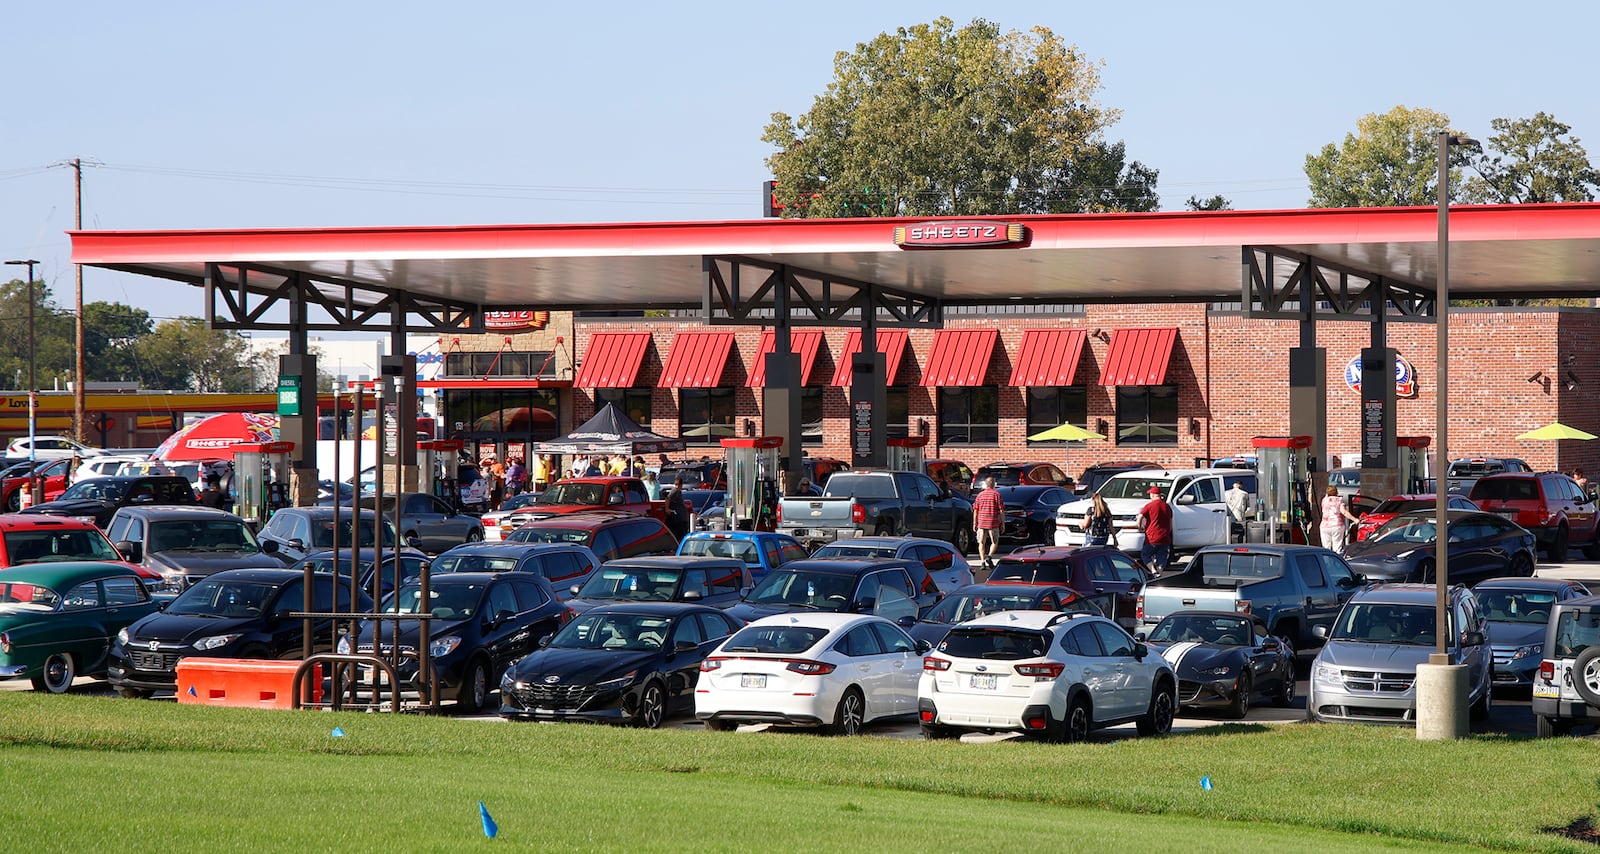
(338, 733)
(490, 829)
(191, 691)
(1205, 782)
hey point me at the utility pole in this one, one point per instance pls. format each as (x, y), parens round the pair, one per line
(80, 425)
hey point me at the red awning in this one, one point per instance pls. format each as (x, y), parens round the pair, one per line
(1048, 357)
(960, 357)
(891, 343)
(1139, 356)
(697, 359)
(612, 360)
(806, 342)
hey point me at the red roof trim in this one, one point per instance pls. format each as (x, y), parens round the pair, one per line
(1139, 356)
(1048, 357)
(612, 360)
(495, 382)
(960, 357)
(891, 343)
(697, 359)
(806, 342)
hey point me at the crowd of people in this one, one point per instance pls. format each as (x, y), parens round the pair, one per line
(514, 476)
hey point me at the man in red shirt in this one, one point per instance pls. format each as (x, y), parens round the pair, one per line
(988, 518)
(1155, 520)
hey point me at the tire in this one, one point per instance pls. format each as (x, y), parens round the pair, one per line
(1585, 675)
(1523, 567)
(1557, 552)
(1544, 727)
(1484, 708)
(133, 693)
(56, 675)
(1079, 721)
(1425, 572)
(1592, 550)
(884, 529)
(14, 500)
(961, 539)
(1163, 707)
(851, 714)
(1285, 696)
(412, 540)
(652, 706)
(474, 688)
(718, 725)
(475, 536)
(1241, 699)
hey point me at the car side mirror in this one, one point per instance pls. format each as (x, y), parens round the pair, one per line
(685, 646)
(1472, 639)
(544, 641)
(691, 596)
(865, 606)
(131, 551)
(907, 621)
(269, 547)
(574, 589)
(1270, 644)
(501, 617)
(924, 647)
(1140, 651)
(1320, 631)
(297, 544)
(1186, 498)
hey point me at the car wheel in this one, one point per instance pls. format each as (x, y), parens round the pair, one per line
(1080, 719)
(14, 501)
(133, 693)
(1285, 696)
(475, 536)
(1241, 698)
(1586, 675)
(56, 675)
(652, 706)
(961, 539)
(1592, 550)
(718, 725)
(474, 688)
(1558, 547)
(1163, 707)
(412, 540)
(1425, 572)
(1522, 567)
(852, 712)
(884, 529)
(1484, 708)
(1544, 727)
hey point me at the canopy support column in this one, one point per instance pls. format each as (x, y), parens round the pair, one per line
(298, 368)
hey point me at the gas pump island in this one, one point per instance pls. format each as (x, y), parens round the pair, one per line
(261, 479)
(905, 454)
(1283, 478)
(752, 502)
(437, 461)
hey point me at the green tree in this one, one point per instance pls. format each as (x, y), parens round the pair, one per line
(1215, 203)
(934, 120)
(186, 354)
(1531, 160)
(1391, 160)
(111, 334)
(51, 350)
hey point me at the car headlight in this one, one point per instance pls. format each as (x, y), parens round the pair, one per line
(122, 636)
(443, 646)
(1405, 555)
(1532, 650)
(215, 641)
(1217, 671)
(344, 647)
(85, 519)
(619, 683)
(507, 683)
(1324, 674)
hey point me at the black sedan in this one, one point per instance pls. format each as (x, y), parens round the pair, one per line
(1031, 512)
(975, 600)
(1224, 660)
(482, 622)
(1482, 545)
(634, 663)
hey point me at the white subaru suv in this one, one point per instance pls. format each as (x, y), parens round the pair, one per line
(1044, 673)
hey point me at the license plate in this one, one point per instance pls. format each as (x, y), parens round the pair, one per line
(797, 533)
(986, 681)
(752, 680)
(1544, 689)
(1509, 514)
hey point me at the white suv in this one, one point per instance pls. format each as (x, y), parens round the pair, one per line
(1199, 507)
(1046, 673)
(1566, 690)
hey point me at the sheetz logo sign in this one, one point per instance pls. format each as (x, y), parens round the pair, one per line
(505, 320)
(959, 234)
(1405, 377)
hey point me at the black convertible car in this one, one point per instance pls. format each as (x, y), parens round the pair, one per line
(1224, 660)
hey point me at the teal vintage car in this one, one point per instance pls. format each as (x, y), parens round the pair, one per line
(57, 620)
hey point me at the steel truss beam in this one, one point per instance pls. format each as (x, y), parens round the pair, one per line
(742, 291)
(239, 297)
(1341, 292)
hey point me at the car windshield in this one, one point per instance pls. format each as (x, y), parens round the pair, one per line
(714, 547)
(474, 563)
(968, 606)
(1405, 529)
(574, 493)
(1032, 571)
(322, 532)
(20, 597)
(774, 640)
(842, 550)
(858, 485)
(994, 643)
(548, 534)
(206, 535)
(47, 546)
(447, 602)
(1505, 605)
(823, 591)
(517, 501)
(1133, 486)
(634, 632)
(1381, 622)
(212, 597)
(1184, 628)
(96, 489)
(610, 582)
(1506, 489)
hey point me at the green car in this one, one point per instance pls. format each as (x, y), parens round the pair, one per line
(57, 620)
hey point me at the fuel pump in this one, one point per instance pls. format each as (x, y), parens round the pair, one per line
(436, 469)
(261, 479)
(752, 468)
(906, 454)
(1283, 472)
(1413, 458)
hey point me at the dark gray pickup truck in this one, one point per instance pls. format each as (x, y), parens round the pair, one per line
(885, 503)
(1293, 588)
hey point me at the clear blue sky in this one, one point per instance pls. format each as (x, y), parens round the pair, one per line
(292, 113)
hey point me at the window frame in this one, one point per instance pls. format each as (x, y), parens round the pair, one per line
(1134, 411)
(960, 417)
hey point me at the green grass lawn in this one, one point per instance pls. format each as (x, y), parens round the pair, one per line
(92, 772)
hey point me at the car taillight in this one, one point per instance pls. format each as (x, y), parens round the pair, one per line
(858, 514)
(1547, 669)
(1138, 608)
(926, 715)
(1036, 722)
(938, 664)
(779, 515)
(1242, 606)
(808, 667)
(711, 664)
(1048, 669)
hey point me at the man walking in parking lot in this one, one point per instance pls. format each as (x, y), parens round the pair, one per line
(1238, 509)
(1155, 520)
(988, 517)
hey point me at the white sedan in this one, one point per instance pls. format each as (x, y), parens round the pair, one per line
(838, 671)
(1046, 673)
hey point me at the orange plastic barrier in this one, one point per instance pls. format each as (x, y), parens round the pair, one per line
(241, 682)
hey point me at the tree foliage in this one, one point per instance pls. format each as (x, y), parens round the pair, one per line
(1215, 203)
(1391, 160)
(935, 120)
(1528, 161)
(185, 353)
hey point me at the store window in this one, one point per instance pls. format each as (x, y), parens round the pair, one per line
(969, 415)
(500, 364)
(502, 415)
(635, 402)
(811, 413)
(1053, 406)
(1147, 415)
(705, 415)
(898, 414)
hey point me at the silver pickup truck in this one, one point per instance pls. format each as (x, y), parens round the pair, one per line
(886, 503)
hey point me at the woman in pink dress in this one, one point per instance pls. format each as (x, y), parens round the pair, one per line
(1334, 515)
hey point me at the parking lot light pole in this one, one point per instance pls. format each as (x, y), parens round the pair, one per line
(1441, 685)
(33, 391)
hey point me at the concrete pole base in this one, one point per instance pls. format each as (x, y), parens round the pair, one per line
(1441, 701)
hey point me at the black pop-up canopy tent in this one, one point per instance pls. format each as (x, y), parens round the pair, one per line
(610, 431)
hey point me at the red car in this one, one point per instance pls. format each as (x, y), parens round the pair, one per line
(52, 472)
(54, 539)
(1373, 519)
(1549, 504)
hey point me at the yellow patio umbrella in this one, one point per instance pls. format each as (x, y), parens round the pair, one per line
(1065, 433)
(1557, 430)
